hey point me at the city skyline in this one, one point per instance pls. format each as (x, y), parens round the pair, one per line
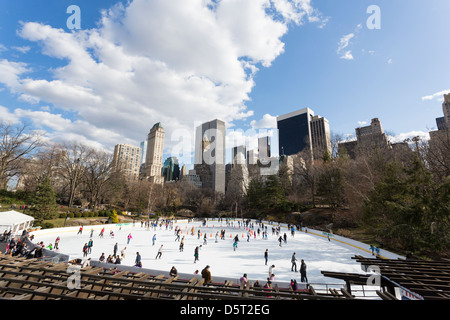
(245, 62)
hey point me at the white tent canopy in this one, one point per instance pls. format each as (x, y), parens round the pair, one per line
(15, 221)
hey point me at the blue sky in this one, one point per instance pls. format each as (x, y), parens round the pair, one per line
(179, 63)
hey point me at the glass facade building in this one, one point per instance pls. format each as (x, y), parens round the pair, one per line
(294, 132)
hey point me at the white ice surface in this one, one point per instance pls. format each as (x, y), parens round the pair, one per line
(318, 253)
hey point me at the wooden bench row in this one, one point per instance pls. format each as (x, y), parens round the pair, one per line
(22, 279)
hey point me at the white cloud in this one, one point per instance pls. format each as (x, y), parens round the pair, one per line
(267, 122)
(10, 73)
(401, 137)
(362, 123)
(344, 42)
(7, 117)
(23, 49)
(347, 55)
(438, 95)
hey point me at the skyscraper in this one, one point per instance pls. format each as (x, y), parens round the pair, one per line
(238, 155)
(320, 136)
(127, 158)
(301, 130)
(264, 147)
(210, 155)
(154, 156)
(171, 169)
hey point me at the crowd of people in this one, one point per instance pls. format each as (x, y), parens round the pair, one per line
(20, 247)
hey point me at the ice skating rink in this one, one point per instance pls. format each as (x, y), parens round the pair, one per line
(313, 247)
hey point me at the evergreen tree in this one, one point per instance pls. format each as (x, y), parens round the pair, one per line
(273, 192)
(44, 202)
(255, 193)
(409, 208)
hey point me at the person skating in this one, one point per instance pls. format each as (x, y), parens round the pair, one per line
(159, 254)
(80, 231)
(294, 264)
(153, 239)
(129, 237)
(85, 250)
(303, 277)
(271, 270)
(196, 255)
(137, 261)
(182, 244)
(266, 256)
(115, 250)
(57, 243)
(90, 245)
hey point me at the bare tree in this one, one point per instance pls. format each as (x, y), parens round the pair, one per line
(73, 166)
(437, 154)
(97, 173)
(46, 163)
(307, 173)
(16, 143)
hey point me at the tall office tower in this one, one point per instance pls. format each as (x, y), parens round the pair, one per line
(183, 172)
(153, 161)
(264, 147)
(171, 169)
(446, 109)
(301, 130)
(320, 136)
(252, 157)
(127, 158)
(238, 155)
(372, 136)
(210, 155)
(252, 164)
